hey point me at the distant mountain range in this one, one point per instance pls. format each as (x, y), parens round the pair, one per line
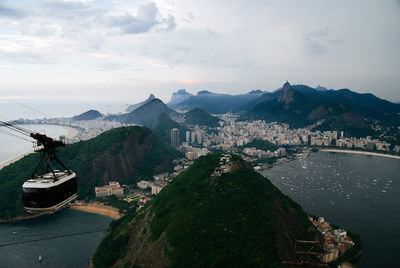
(297, 105)
(212, 102)
(343, 109)
(300, 106)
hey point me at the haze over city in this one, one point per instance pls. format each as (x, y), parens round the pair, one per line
(121, 51)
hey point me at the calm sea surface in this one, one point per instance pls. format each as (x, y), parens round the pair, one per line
(358, 192)
(11, 146)
(65, 239)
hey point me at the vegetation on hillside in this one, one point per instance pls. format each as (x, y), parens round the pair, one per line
(163, 125)
(261, 145)
(125, 154)
(114, 245)
(233, 220)
(198, 116)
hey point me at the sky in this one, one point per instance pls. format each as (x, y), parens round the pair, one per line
(121, 51)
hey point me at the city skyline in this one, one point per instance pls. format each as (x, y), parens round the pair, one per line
(76, 50)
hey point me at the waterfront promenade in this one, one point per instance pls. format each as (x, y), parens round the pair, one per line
(359, 152)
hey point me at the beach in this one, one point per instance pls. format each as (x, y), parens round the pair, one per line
(99, 208)
(14, 160)
(72, 132)
(359, 152)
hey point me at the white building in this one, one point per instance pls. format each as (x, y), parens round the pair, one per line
(113, 188)
(143, 184)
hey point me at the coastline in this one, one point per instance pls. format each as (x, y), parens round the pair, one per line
(359, 152)
(99, 208)
(71, 132)
(8, 162)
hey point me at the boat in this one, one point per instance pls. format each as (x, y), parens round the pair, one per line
(40, 258)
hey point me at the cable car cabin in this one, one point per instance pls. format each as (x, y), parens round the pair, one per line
(48, 192)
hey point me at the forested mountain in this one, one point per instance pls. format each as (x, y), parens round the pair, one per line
(124, 154)
(89, 115)
(238, 219)
(137, 105)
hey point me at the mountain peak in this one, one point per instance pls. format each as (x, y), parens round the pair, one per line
(286, 85)
(137, 105)
(179, 96)
(204, 92)
(287, 94)
(258, 91)
(89, 115)
(320, 88)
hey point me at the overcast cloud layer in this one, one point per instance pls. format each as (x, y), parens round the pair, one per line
(125, 50)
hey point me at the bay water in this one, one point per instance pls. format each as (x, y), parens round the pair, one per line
(360, 193)
(67, 238)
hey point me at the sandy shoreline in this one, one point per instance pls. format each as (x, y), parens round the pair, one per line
(72, 132)
(99, 209)
(14, 159)
(359, 152)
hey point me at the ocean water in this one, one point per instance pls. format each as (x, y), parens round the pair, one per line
(67, 239)
(11, 146)
(358, 192)
(34, 109)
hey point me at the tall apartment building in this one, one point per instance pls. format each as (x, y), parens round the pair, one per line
(175, 137)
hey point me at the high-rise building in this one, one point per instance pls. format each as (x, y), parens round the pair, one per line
(175, 137)
(193, 137)
(188, 136)
(199, 137)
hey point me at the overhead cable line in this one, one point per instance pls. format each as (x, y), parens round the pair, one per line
(20, 130)
(13, 135)
(26, 106)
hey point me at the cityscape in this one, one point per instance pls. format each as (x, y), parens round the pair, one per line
(154, 133)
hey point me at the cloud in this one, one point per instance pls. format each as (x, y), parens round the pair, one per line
(145, 20)
(319, 42)
(315, 48)
(10, 12)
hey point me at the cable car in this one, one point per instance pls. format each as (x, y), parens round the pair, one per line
(53, 189)
(49, 192)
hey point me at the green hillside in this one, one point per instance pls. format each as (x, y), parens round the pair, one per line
(125, 154)
(261, 145)
(198, 116)
(238, 219)
(162, 128)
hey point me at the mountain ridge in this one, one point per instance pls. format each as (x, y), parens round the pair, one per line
(133, 107)
(237, 219)
(123, 154)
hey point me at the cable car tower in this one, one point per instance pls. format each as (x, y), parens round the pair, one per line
(52, 189)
